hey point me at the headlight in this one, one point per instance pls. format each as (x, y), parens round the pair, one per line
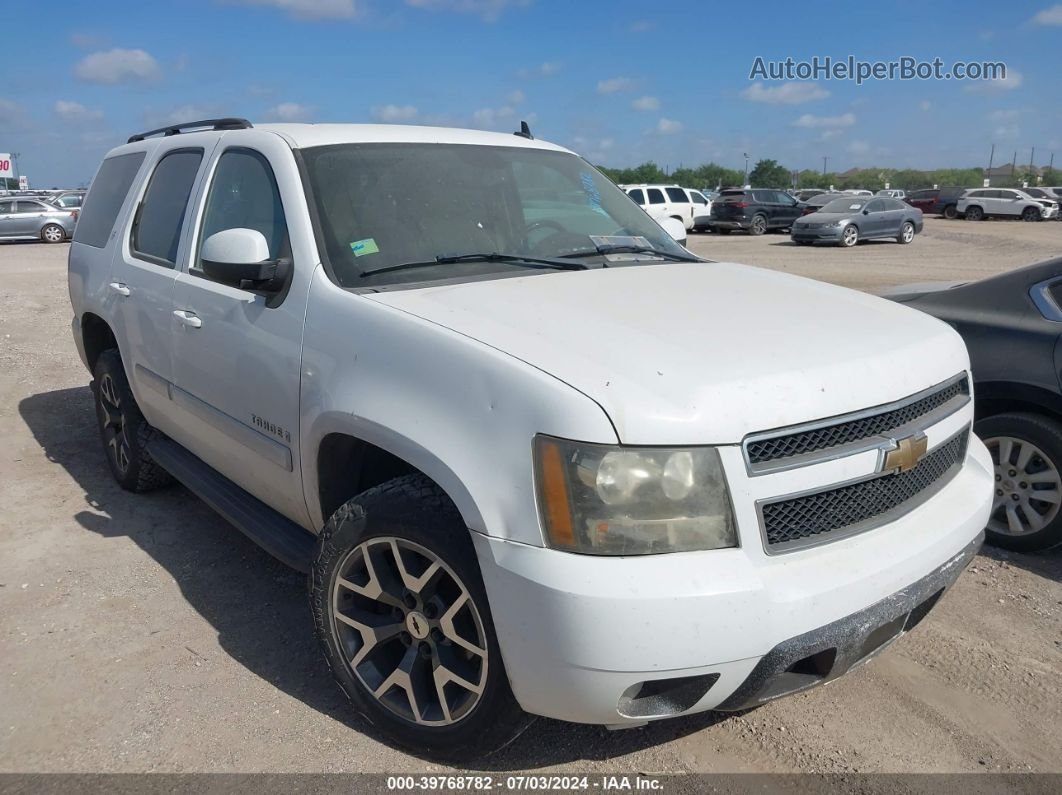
(608, 500)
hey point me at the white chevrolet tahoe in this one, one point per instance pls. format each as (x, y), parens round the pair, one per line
(536, 458)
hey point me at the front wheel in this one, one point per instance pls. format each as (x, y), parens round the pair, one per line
(53, 233)
(1030, 214)
(907, 233)
(402, 616)
(850, 236)
(1026, 452)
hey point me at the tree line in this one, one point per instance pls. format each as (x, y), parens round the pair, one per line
(772, 174)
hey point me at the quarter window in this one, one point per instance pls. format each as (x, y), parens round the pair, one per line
(105, 199)
(160, 217)
(655, 196)
(677, 195)
(637, 195)
(30, 207)
(697, 198)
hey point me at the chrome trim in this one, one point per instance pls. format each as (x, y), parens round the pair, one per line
(829, 536)
(860, 445)
(1040, 293)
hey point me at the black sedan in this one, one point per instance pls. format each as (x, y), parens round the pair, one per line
(849, 219)
(1012, 325)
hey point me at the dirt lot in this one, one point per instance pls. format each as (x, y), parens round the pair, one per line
(143, 634)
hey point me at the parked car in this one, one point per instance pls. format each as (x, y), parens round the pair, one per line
(857, 192)
(1048, 197)
(1012, 325)
(806, 193)
(848, 219)
(754, 210)
(948, 202)
(976, 205)
(668, 201)
(817, 202)
(22, 218)
(68, 200)
(702, 210)
(511, 497)
(925, 200)
(892, 193)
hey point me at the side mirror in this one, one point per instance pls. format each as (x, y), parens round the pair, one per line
(675, 228)
(866, 211)
(241, 257)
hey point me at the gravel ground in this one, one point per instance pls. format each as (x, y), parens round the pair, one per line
(143, 634)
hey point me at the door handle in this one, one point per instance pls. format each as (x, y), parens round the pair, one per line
(190, 319)
(121, 289)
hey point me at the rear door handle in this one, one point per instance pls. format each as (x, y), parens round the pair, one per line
(121, 289)
(190, 319)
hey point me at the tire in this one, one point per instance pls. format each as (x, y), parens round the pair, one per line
(1031, 214)
(974, 213)
(412, 515)
(951, 212)
(1030, 446)
(850, 236)
(53, 233)
(758, 225)
(907, 233)
(123, 430)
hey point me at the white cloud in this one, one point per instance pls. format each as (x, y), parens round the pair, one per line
(605, 144)
(488, 10)
(307, 9)
(493, 117)
(1013, 79)
(785, 94)
(615, 84)
(391, 114)
(290, 111)
(830, 134)
(76, 112)
(117, 66)
(646, 103)
(1049, 16)
(517, 97)
(1003, 115)
(925, 104)
(812, 121)
(668, 126)
(546, 69)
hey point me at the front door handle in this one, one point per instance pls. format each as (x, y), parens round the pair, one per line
(190, 319)
(121, 289)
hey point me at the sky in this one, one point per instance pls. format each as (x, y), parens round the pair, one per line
(620, 82)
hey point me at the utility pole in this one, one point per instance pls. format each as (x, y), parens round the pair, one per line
(824, 160)
(746, 182)
(1051, 167)
(1032, 155)
(991, 158)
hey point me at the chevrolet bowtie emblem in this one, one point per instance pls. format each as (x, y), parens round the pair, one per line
(906, 455)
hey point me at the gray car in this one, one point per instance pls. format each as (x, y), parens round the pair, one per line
(848, 219)
(24, 217)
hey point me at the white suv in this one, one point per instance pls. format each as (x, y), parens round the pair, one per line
(975, 205)
(672, 201)
(536, 458)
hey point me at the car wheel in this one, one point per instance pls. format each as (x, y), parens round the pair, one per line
(850, 236)
(951, 212)
(907, 233)
(1026, 451)
(974, 213)
(1030, 214)
(53, 233)
(124, 431)
(402, 616)
(758, 225)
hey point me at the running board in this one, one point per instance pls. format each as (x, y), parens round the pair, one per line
(276, 534)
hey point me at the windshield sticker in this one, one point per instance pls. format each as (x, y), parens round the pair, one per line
(593, 197)
(854, 206)
(363, 247)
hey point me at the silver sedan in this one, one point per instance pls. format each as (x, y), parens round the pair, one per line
(23, 217)
(848, 219)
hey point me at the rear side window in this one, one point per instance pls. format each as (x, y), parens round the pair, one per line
(160, 217)
(677, 195)
(105, 198)
(697, 198)
(655, 196)
(30, 207)
(637, 195)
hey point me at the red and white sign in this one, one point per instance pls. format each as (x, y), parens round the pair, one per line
(6, 167)
(23, 182)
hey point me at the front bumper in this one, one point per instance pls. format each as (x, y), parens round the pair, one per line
(826, 234)
(583, 636)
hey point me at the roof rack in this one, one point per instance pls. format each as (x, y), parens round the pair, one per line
(176, 129)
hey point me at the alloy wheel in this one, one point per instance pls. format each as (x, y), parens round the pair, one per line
(1028, 487)
(410, 631)
(53, 234)
(851, 236)
(759, 225)
(908, 233)
(113, 422)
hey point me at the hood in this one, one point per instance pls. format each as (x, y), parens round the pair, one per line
(700, 353)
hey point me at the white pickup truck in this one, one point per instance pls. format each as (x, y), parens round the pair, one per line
(536, 458)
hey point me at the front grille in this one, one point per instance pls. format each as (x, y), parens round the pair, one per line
(787, 445)
(828, 515)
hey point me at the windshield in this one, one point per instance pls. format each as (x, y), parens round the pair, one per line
(385, 204)
(848, 204)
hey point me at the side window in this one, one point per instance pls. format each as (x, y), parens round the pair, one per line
(976, 194)
(655, 196)
(875, 206)
(784, 198)
(244, 195)
(697, 198)
(637, 195)
(30, 207)
(160, 217)
(677, 195)
(105, 197)
(6, 207)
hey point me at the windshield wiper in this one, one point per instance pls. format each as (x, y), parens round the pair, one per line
(629, 250)
(515, 259)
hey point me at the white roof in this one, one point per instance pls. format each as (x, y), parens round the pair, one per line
(306, 135)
